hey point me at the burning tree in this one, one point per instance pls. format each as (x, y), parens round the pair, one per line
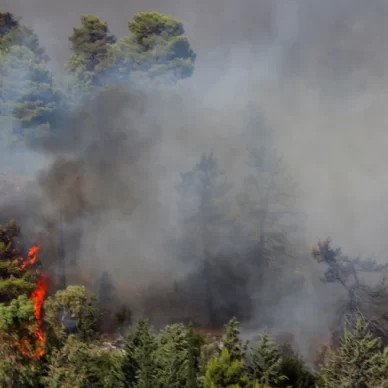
(22, 291)
(363, 300)
(17, 276)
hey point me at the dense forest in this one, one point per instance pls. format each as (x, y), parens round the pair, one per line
(101, 286)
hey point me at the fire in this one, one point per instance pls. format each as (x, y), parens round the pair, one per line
(37, 297)
(32, 256)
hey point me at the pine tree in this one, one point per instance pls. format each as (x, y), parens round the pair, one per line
(80, 364)
(358, 363)
(91, 45)
(203, 192)
(130, 365)
(232, 342)
(15, 279)
(209, 350)
(139, 366)
(30, 103)
(265, 362)
(294, 369)
(191, 381)
(17, 325)
(223, 372)
(268, 198)
(172, 356)
(13, 33)
(67, 365)
(363, 298)
(155, 48)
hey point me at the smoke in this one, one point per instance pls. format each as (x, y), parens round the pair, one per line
(314, 71)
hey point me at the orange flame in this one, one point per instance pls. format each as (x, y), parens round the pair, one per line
(32, 256)
(37, 297)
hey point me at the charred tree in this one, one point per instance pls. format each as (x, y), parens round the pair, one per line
(363, 300)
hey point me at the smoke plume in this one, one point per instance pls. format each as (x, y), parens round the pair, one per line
(313, 71)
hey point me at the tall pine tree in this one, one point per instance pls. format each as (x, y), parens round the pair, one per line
(92, 56)
(358, 363)
(265, 362)
(139, 366)
(232, 342)
(203, 193)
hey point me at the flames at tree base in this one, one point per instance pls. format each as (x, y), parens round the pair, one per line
(33, 347)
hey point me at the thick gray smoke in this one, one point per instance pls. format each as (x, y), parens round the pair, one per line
(313, 70)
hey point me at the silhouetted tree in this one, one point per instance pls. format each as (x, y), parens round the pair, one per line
(203, 192)
(362, 299)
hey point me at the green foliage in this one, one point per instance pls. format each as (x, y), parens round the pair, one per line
(91, 44)
(16, 286)
(67, 366)
(106, 370)
(265, 362)
(79, 364)
(27, 90)
(91, 41)
(14, 317)
(17, 324)
(296, 373)
(358, 363)
(192, 360)
(223, 372)
(156, 47)
(139, 367)
(12, 33)
(232, 342)
(30, 103)
(172, 356)
(14, 373)
(209, 350)
(72, 303)
(14, 281)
